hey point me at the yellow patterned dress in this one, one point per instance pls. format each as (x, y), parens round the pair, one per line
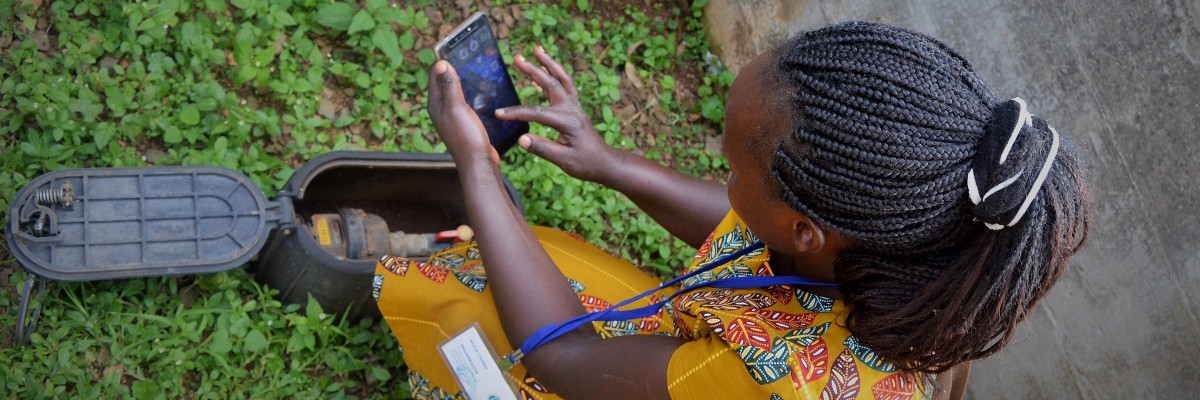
(761, 343)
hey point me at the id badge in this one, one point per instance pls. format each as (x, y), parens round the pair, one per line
(473, 362)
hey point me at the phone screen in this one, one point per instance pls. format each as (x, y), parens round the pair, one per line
(485, 80)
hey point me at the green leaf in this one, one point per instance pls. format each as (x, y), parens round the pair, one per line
(189, 115)
(342, 122)
(216, 5)
(314, 310)
(102, 137)
(407, 40)
(296, 342)
(422, 78)
(220, 343)
(713, 109)
(116, 100)
(255, 341)
(362, 21)
(387, 15)
(246, 5)
(426, 56)
(336, 16)
(667, 82)
(146, 24)
(284, 18)
(385, 40)
(243, 47)
(363, 80)
(380, 374)
(376, 5)
(264, 56)
(220, 145)
(146, 389)
(310, 341)
(245, 73)
(382, 92)
(172, 135)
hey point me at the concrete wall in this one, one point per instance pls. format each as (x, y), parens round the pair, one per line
(1121, 77)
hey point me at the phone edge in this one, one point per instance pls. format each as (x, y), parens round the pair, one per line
(437, 48)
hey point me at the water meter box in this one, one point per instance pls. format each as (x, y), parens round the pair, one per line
(407, 192)
(111, 223)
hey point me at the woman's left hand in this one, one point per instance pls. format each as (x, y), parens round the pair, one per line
(455, 121)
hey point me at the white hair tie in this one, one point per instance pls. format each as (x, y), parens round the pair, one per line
(1024, 118)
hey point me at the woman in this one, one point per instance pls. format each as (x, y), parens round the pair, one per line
(862, 155)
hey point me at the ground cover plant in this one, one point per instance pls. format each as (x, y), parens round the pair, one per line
(261, 86)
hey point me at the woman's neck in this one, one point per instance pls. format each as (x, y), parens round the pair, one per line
(785, 265)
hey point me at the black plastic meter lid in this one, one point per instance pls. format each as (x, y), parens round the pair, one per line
(107, 223)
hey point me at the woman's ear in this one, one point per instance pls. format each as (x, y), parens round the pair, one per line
(807, 236)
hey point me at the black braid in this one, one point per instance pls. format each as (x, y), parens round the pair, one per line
(886, 125)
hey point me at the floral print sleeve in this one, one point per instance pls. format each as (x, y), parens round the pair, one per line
(771, 343)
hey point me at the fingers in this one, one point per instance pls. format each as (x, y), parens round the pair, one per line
(454, 120)
(542, 147)
(435, 86)
(542, 115)
(555, 69)
(553, 87)
(446, 90)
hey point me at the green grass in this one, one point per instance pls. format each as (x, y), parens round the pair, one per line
(261, 86)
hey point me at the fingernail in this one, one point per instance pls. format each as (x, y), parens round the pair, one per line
(499, 112)
(540, 49)
(440, 67)
(524, 141)
(520, 58)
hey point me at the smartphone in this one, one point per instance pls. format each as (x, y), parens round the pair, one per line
(471, 48)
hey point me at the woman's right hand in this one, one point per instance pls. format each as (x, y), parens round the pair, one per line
(688, 207)
(579, 150)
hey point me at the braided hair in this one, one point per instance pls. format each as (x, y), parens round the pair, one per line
(887, 127)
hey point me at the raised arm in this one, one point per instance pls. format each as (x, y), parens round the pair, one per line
(529, 290)
(688, 207)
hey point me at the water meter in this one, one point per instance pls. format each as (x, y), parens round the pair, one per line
(319, 236)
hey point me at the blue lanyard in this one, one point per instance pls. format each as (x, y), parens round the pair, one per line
(553, 331)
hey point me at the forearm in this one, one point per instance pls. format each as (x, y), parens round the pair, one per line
(687, 207)
(529, 290)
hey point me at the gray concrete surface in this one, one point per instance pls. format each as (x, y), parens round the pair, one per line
(1123, 78)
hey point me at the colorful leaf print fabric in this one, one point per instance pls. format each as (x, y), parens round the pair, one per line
(896, 387)
(767, 366)
(772, 342)
(747, 332)
(812, 361)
